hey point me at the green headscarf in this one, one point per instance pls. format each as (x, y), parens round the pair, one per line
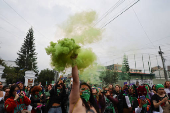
(159, 86)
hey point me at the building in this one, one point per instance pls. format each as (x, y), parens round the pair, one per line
(118, 67)
(153, 69)
(159, 74)
(168, 68)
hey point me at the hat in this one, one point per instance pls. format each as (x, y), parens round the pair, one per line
(159, 86)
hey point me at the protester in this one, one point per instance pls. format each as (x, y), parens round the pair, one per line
(99, 98)
(121, 99)
(36, 101)
(153, 91)
(111, 102)
(81, 97)
(16, 103)
(57, 95)
(160, 100)
(142, 104)
(7, 89)
(21, 87)
(28, 92)
(2, 95)
(47, 93)
(167, 87)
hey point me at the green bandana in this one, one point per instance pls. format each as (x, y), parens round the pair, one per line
(145, 105)
(159, 86)
(86, 95)
(132, 99)
(94, 96)
(40, 93)
(109, 105)
(147, 96)
(58, 91)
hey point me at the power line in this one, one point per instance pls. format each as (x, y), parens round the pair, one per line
(119, 14)
(110, 10)
(143, 28)
(10, 23)
(22, 17)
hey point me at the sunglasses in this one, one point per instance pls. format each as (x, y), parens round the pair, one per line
(93, 88)
(85, 89)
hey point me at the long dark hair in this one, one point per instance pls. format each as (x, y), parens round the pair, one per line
(12, 89)
(91, 100)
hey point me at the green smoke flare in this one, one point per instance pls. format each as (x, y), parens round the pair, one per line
(78, 29)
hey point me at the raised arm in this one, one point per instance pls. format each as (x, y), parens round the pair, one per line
(75, 92)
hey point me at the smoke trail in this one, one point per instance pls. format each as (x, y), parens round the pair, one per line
(78, 30)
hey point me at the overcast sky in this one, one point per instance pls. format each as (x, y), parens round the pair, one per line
(139, 30)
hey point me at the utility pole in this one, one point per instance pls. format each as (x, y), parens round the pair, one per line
(163, 62)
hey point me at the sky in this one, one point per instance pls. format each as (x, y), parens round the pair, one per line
(138, 31)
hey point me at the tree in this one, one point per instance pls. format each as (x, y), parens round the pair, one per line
(10, 73)
(27, 55)
(109, 76)
(46, 75)
(124, 75)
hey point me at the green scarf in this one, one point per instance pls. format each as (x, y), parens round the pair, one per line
(147, 96)
(86, 95)
(132, 99)
(94, 96)
(111, 105)
(40, 93)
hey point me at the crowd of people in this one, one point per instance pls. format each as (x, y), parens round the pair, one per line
(84, 98)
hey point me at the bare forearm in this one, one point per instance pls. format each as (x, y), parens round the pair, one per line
(156, 105)
(75, 75)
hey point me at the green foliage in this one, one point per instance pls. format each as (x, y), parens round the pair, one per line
(125, 69)
(27, 55)
(62, 51)
(46, 75)
(12, 74)
(109, 77)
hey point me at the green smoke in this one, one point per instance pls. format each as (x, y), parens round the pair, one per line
(79, 30)
(62, 51)
(91, 74)
(80, 27)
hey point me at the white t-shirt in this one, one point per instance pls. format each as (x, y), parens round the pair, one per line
(3, 96)
(167, 90)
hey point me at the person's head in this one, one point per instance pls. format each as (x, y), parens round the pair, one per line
(160, 89)
(7, 89)
(117, 88)
(131, 89)
(35, 90)
(167, 84)
(94, 90)
(20, 85)
(110, 86)
(49, 87)
(142, 91)
(86, 91)
(153, 87)
(13, 90)
(1, 86)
